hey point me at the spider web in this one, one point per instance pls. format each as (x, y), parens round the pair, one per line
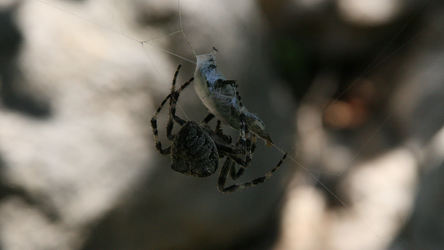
(107, 15)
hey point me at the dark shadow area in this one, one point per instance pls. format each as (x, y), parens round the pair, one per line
(42, 203)
(425, 228)
(12, 92)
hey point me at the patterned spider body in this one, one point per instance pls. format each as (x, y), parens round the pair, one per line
(221, 98)
(193, 152)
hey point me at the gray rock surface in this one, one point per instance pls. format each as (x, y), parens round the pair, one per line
(370, 78)
(78, 165)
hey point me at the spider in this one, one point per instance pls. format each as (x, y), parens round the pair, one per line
(196, 149)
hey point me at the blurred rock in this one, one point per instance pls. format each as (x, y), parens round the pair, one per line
(78, 165)
(369, 78)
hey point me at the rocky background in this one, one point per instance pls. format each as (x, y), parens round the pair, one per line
(353, 90)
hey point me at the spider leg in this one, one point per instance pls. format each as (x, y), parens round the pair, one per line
(235, 174)
(243, 131)
(167, 150)
(218, 127)
(251, 146)
(226, 168)
(173, 94)
(245, 143)
(231, 151)
(207, 118)
(221, 134)
(173, 101)
(173, 84)
(228, 165)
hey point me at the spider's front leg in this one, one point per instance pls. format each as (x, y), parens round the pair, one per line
(173, 96)
(173, 101)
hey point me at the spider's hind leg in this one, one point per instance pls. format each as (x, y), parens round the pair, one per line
(229, 164)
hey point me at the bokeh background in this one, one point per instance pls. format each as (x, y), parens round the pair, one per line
(352, 89)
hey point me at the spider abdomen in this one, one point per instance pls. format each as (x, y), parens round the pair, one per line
(193, 152)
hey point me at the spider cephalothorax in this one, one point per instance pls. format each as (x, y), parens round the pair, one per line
(195, 148)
